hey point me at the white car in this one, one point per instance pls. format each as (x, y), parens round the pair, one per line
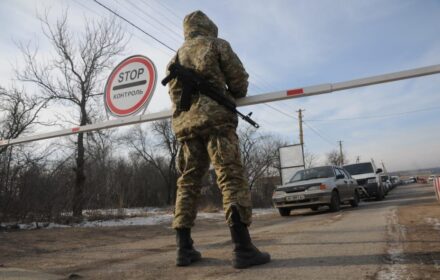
(431, 178)
(369, 177)
(314, 187)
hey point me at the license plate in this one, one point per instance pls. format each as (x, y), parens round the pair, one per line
(295, 197)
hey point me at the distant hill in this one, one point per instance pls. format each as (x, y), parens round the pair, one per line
(424, 171)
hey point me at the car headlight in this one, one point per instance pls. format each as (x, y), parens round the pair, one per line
(372, 180)
(277, 194)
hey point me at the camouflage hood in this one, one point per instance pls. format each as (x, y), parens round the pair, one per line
(214, 59)
(198, 24)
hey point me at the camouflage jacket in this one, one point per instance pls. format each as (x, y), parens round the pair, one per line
(213, 58)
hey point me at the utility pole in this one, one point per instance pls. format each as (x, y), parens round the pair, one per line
(301, 134)
(341, 155)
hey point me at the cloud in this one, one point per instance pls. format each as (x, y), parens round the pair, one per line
(290, 44)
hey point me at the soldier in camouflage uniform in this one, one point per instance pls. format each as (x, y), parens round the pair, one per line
(207, 134)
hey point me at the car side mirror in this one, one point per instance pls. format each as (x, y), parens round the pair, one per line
(339, 176)
(379, 170)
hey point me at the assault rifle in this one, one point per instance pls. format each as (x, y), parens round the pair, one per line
(194, 83)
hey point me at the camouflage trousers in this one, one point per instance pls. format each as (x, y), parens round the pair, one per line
(222, 151)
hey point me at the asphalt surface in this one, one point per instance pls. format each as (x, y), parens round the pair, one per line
(367, 242)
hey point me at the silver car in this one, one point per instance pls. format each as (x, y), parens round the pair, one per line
(314, 187)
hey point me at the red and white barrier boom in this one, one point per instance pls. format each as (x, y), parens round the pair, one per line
(437, 187)
(250, 100)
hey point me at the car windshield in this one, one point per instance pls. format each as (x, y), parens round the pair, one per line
(359, 168)
(312, 173)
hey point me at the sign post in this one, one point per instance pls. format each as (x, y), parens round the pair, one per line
(130, 86)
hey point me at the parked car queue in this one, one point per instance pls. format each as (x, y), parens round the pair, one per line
(332, 186)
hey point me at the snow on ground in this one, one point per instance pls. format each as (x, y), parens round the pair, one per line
(131, 217)
(396, 235)
(136, 221)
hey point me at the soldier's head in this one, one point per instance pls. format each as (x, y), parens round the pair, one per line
(198, 24)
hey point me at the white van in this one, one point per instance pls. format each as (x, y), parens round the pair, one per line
(368, 176)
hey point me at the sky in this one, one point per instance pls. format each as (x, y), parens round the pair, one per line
(286, 45)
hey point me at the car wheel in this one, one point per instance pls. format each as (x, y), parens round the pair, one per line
(355, 201)
(335, 202)
(379, 195)
(314, 208)
(284, 211)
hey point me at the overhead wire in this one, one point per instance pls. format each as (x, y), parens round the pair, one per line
(319, 134)
(162, 43)
(137, 10)
(135, 26)
(314, 130)
(257, 75)
(281, 111)
(275, 108)
(161, 3)
(78, 2)
(170, 48)
(175, 25)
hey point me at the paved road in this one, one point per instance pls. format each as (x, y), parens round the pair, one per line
(356, 243)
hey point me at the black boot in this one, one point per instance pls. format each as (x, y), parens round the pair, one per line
(186, 254)
(245, 254)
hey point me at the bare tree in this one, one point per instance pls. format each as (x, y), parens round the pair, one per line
(18, 113)
(170, 145)
(73, 76)
(334, 158)
(160, 152)
(259, 154)
(309, 159)
(19, 164)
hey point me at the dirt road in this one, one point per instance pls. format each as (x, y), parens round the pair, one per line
(398, 238)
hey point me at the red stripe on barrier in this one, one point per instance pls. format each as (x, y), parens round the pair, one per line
(75, 129)
(295, 91)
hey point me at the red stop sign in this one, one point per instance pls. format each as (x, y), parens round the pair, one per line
(130, 86)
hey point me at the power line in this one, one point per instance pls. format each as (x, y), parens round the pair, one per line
(134, 25)
(153, 37)
(319, 134)
(164, 44)
(280, 111)
(378, 116)
(175, 24)
(136, 12)
(170, 10)
(138, 9)
(86, 8)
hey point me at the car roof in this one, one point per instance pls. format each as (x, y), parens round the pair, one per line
(321, 166)
(357, 163)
